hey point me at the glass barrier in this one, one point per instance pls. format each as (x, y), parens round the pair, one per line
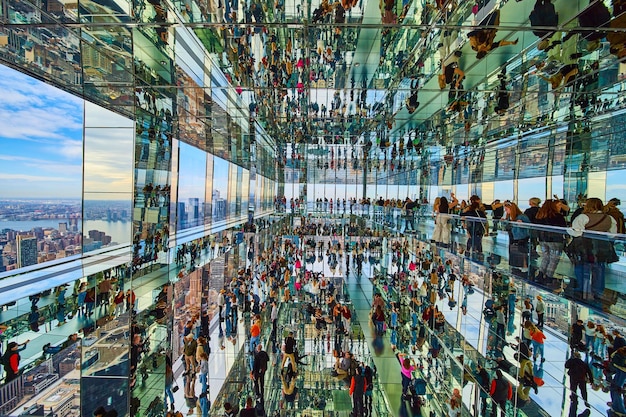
(493, 311)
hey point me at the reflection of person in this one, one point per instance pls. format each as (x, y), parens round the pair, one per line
(11, 360)
(289, 352)
(289, 388)
(33, 319)
(483, 379)
(358, 386)
(169, 382)
(501, 392)
(591, 270)
(618, 362)
(443, 226)
(482, 40)
(579, 373)
(102, 412)
(475, 225)
(60, 304)
(551, 242)
(406, 371)
(261, 359)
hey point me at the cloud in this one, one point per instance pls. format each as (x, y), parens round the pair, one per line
(34, 178)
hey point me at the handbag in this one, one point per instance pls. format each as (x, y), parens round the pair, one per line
(175, 388)
(579, 250)
(441, 79)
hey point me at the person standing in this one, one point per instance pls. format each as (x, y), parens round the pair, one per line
(579, 373)
(203, 369)
(11, 360)
(289, 352)
(104, 289)
(482, 378)
(261, 359)
(443, 221)
(190, 345)
(540, 308)
(613, 211)
(618, 363)
(406, 370)
(169, 382)
(476, 225)
(255, 335)
(358, 386)
(537, 340)
(501, 392)
(551, 242)
(590, 270)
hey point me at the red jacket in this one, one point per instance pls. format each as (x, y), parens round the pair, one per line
(352, 386)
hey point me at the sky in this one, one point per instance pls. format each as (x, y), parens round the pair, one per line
(41, 143)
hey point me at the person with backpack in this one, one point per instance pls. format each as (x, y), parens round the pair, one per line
(358, 386)
(368, 374)
(483, 379)
(543, 15)
(261, 359)
(249, 411)
(11, 360)
(406, 371)
(501, 392)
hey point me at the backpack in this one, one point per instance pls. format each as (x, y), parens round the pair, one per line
(353, 365)
(543, 15)
(259, 409)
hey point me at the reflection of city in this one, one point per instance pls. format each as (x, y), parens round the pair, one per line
(53, 387)
(33, 232)
(219, 206)
(190, 214)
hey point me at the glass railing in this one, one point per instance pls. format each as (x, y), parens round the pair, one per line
(495, 280)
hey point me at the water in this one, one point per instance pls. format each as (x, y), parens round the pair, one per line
(120, 232)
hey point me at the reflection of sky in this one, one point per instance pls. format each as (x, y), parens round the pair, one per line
(615, 186)
(108, 160)
(220, 176)
(41, 138)
(192, 173)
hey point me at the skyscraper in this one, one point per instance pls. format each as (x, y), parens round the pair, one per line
(26, 250)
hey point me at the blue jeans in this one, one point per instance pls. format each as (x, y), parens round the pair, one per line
(405, 384)
(379, 327)
(253, 342)
(229, 327)
(204, 406)
(511, 322)
(204, 381)
(590, 276)
(394, 337)
(616, 391)
(537, 349)
(169, 394)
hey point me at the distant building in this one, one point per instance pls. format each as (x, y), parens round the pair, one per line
(63, 227)
(26, 250)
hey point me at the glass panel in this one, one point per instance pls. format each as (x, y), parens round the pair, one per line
(191, 187)
(529, 188)
(220, 189)
(107, 220)
(41, 169)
